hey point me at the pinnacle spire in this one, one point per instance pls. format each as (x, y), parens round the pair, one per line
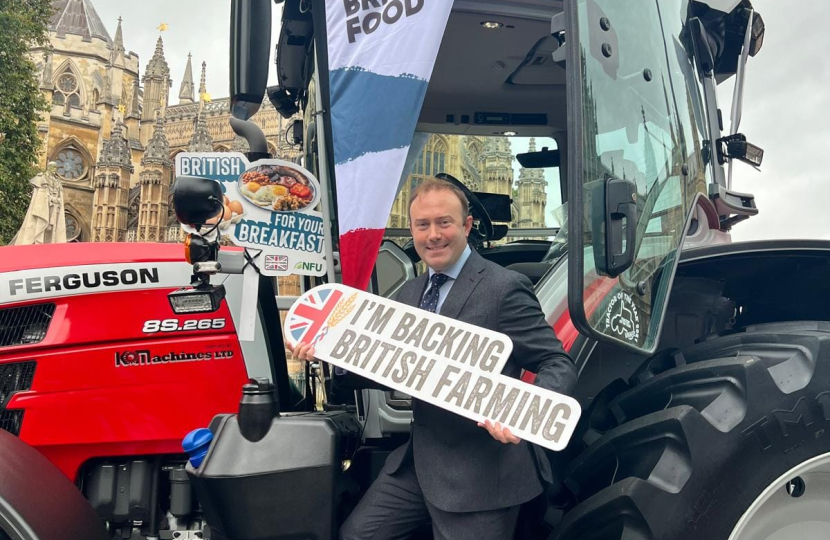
(186, 91)
(117, 46)
(202, 86)
(201, 140)
(157, 66)
(119, 39)
(158, 148)
(116, 150)
(531, 175)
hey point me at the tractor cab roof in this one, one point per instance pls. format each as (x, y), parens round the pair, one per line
(494, 71)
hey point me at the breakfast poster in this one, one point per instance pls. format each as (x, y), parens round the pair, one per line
(270, 206)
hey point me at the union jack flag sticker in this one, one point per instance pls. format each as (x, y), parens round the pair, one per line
(309, 313)
(277, 263)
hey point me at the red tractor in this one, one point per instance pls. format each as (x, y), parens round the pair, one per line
(103, 381)
(704, 365)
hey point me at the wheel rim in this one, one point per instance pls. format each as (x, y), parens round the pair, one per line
(796, 505)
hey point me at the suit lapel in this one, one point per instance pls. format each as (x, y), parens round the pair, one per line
(412, 294)
(471, 274)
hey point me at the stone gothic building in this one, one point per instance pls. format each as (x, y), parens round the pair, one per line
(483, 164)
(114, 132)
(531, 196)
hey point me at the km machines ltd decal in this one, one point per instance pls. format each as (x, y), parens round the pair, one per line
(144, 357)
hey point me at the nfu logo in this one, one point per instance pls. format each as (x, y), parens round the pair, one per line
(309, 266)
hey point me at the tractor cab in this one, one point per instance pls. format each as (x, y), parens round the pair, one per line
(584, 136)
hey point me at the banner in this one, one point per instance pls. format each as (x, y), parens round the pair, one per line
(269, 207)
(381, 57)
(451, 364)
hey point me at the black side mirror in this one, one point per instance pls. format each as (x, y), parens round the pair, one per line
(196, 200)
(250, 50)
(541, 159)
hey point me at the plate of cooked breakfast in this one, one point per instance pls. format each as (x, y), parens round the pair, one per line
(279, 188)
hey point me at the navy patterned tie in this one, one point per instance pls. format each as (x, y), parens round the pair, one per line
(430, 300)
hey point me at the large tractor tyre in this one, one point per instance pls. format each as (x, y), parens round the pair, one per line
(728, 439)
(37, 502)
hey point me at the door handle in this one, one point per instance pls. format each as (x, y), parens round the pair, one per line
(615, 225)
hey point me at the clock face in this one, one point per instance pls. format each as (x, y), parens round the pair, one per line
(70, 164)
(67, 83)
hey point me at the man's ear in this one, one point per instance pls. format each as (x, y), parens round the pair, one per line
(468, 224)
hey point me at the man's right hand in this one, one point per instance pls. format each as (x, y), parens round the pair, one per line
(302, 351)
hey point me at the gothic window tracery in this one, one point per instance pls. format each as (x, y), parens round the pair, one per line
(432, 159)
(71, 161)
(67, 91)
(70, 164)
(74, 230)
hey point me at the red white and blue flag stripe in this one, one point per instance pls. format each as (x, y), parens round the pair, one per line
(309, 313)
(381, 56)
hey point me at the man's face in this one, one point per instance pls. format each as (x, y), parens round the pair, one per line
(438, 230)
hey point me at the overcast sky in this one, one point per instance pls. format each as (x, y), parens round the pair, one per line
(786, 112)
(200, 27)
(786, 101)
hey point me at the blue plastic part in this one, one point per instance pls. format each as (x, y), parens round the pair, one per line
(196, 444)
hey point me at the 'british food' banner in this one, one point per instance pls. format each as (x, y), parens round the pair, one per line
(381, 56)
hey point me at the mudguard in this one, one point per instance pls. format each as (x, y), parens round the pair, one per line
(37, 501)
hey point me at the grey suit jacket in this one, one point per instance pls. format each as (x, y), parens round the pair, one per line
(460, 467)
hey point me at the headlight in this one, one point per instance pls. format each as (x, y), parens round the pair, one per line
(202, 299)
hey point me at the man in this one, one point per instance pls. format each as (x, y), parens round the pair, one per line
(469, 479)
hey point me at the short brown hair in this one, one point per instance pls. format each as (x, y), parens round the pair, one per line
(436, 184)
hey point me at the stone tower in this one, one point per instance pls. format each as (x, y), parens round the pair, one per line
(186, 91)
(157, 85)
(112, 188)
(496, 166)
(154, 182)
(532, 195)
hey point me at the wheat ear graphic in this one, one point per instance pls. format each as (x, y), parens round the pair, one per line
(342, 310)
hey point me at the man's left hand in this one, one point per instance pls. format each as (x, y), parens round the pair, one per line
(499, 433)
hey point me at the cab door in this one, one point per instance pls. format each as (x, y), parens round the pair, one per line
(636, 163)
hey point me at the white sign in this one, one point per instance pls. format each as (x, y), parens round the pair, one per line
(269, 206)
(448, 363)
(90, 278)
